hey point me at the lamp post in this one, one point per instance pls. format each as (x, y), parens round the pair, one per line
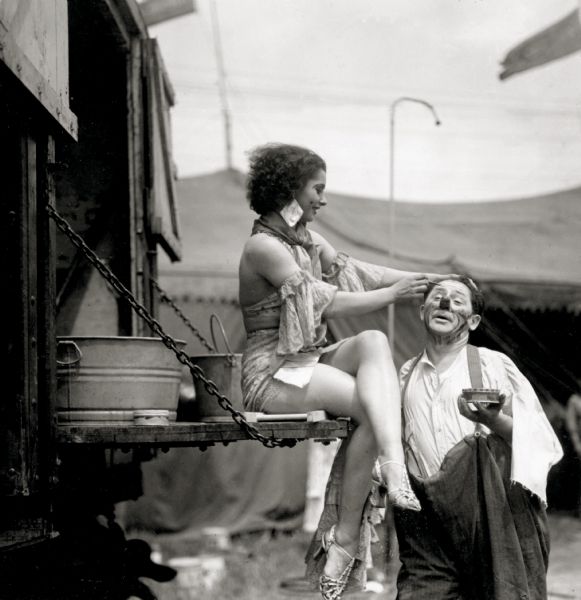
(391, 243)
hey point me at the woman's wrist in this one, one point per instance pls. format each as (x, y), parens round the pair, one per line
(389, 295)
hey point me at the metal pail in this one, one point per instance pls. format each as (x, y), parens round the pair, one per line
(225, 370)
(108, 378)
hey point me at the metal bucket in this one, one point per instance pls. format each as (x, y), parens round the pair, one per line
(109, 378)
(225, 370)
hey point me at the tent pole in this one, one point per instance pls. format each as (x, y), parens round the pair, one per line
(391, 241)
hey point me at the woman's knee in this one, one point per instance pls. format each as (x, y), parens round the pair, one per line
(374, 342)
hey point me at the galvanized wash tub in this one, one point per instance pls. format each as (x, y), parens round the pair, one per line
(108, 378)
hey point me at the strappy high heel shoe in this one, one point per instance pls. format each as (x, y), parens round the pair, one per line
(401, 496)
(332, 587)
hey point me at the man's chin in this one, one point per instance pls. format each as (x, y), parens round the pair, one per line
(440, 331)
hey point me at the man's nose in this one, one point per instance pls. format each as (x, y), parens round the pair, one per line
(445, 303)
(323, 200)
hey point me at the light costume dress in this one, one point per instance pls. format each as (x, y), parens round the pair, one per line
(286, 337)
(286, 330)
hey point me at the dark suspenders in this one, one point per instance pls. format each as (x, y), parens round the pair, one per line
(476, 381)
(474, 366)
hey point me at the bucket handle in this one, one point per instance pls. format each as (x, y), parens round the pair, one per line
(214, 318)
(77, 350)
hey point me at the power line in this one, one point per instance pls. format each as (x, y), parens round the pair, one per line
(337, 90)
(361, 100)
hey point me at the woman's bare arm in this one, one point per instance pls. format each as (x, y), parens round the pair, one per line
(390, 276)
(266, 257)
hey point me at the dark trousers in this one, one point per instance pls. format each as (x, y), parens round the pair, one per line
(478, 536)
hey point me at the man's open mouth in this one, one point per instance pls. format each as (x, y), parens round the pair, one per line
(442, 317)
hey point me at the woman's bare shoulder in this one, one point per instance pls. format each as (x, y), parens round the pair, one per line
(265, 250)
(260, 244)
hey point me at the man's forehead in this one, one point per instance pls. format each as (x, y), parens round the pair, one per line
(451, 285)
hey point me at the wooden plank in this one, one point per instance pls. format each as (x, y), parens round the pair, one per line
(30, 431)
(260, 417)
(164, 222)
(192, 434)
(40, 30)
(158, 11)
(47, 309)
(19, 428)
(128, 16)
(34, 46)
(35, 83)
(142, 261)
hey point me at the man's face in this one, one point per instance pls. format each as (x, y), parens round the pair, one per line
(447, 311)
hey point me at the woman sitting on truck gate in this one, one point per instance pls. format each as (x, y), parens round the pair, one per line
(291, 281)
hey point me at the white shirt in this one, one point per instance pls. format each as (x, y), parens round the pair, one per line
(433, 423)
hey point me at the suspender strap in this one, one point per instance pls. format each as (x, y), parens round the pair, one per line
(476, 381)
(474, 367)
(407, 381)
(408, 449)
(475, 372)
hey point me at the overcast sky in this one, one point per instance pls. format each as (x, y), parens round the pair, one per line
(322, 73)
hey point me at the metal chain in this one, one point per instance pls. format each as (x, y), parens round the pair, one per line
(196, 371)
(165, 298)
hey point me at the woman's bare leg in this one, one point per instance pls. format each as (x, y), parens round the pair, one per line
(368, 357)
(358, 380)
(335, 391)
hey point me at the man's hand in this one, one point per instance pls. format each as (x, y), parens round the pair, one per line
(487, 413)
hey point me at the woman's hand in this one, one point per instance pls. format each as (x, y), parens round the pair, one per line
(437, 277)
(410, 287)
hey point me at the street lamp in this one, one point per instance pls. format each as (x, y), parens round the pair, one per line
(391, 244)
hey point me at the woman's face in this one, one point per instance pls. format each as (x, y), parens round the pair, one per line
(312, 197)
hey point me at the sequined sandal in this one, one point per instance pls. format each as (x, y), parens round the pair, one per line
(332, 587)
(402, 496)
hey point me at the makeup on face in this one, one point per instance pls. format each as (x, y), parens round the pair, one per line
(311, 197)
(447, 310)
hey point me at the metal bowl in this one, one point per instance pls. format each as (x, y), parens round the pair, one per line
(482, 395)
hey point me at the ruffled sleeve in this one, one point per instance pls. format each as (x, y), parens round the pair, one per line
(535, 447)
(303, 302)
(352, 275)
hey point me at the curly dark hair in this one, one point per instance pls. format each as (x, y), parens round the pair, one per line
(476, 296)
(277, 172)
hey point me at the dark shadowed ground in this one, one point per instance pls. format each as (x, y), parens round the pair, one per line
(255, 566)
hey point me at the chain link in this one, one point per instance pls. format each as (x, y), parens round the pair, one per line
(165, 298)
(196, 371)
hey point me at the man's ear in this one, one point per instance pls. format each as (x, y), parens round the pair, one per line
(474, 321)
(422, 311)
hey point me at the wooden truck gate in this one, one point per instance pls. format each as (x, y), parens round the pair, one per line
(84, 131)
